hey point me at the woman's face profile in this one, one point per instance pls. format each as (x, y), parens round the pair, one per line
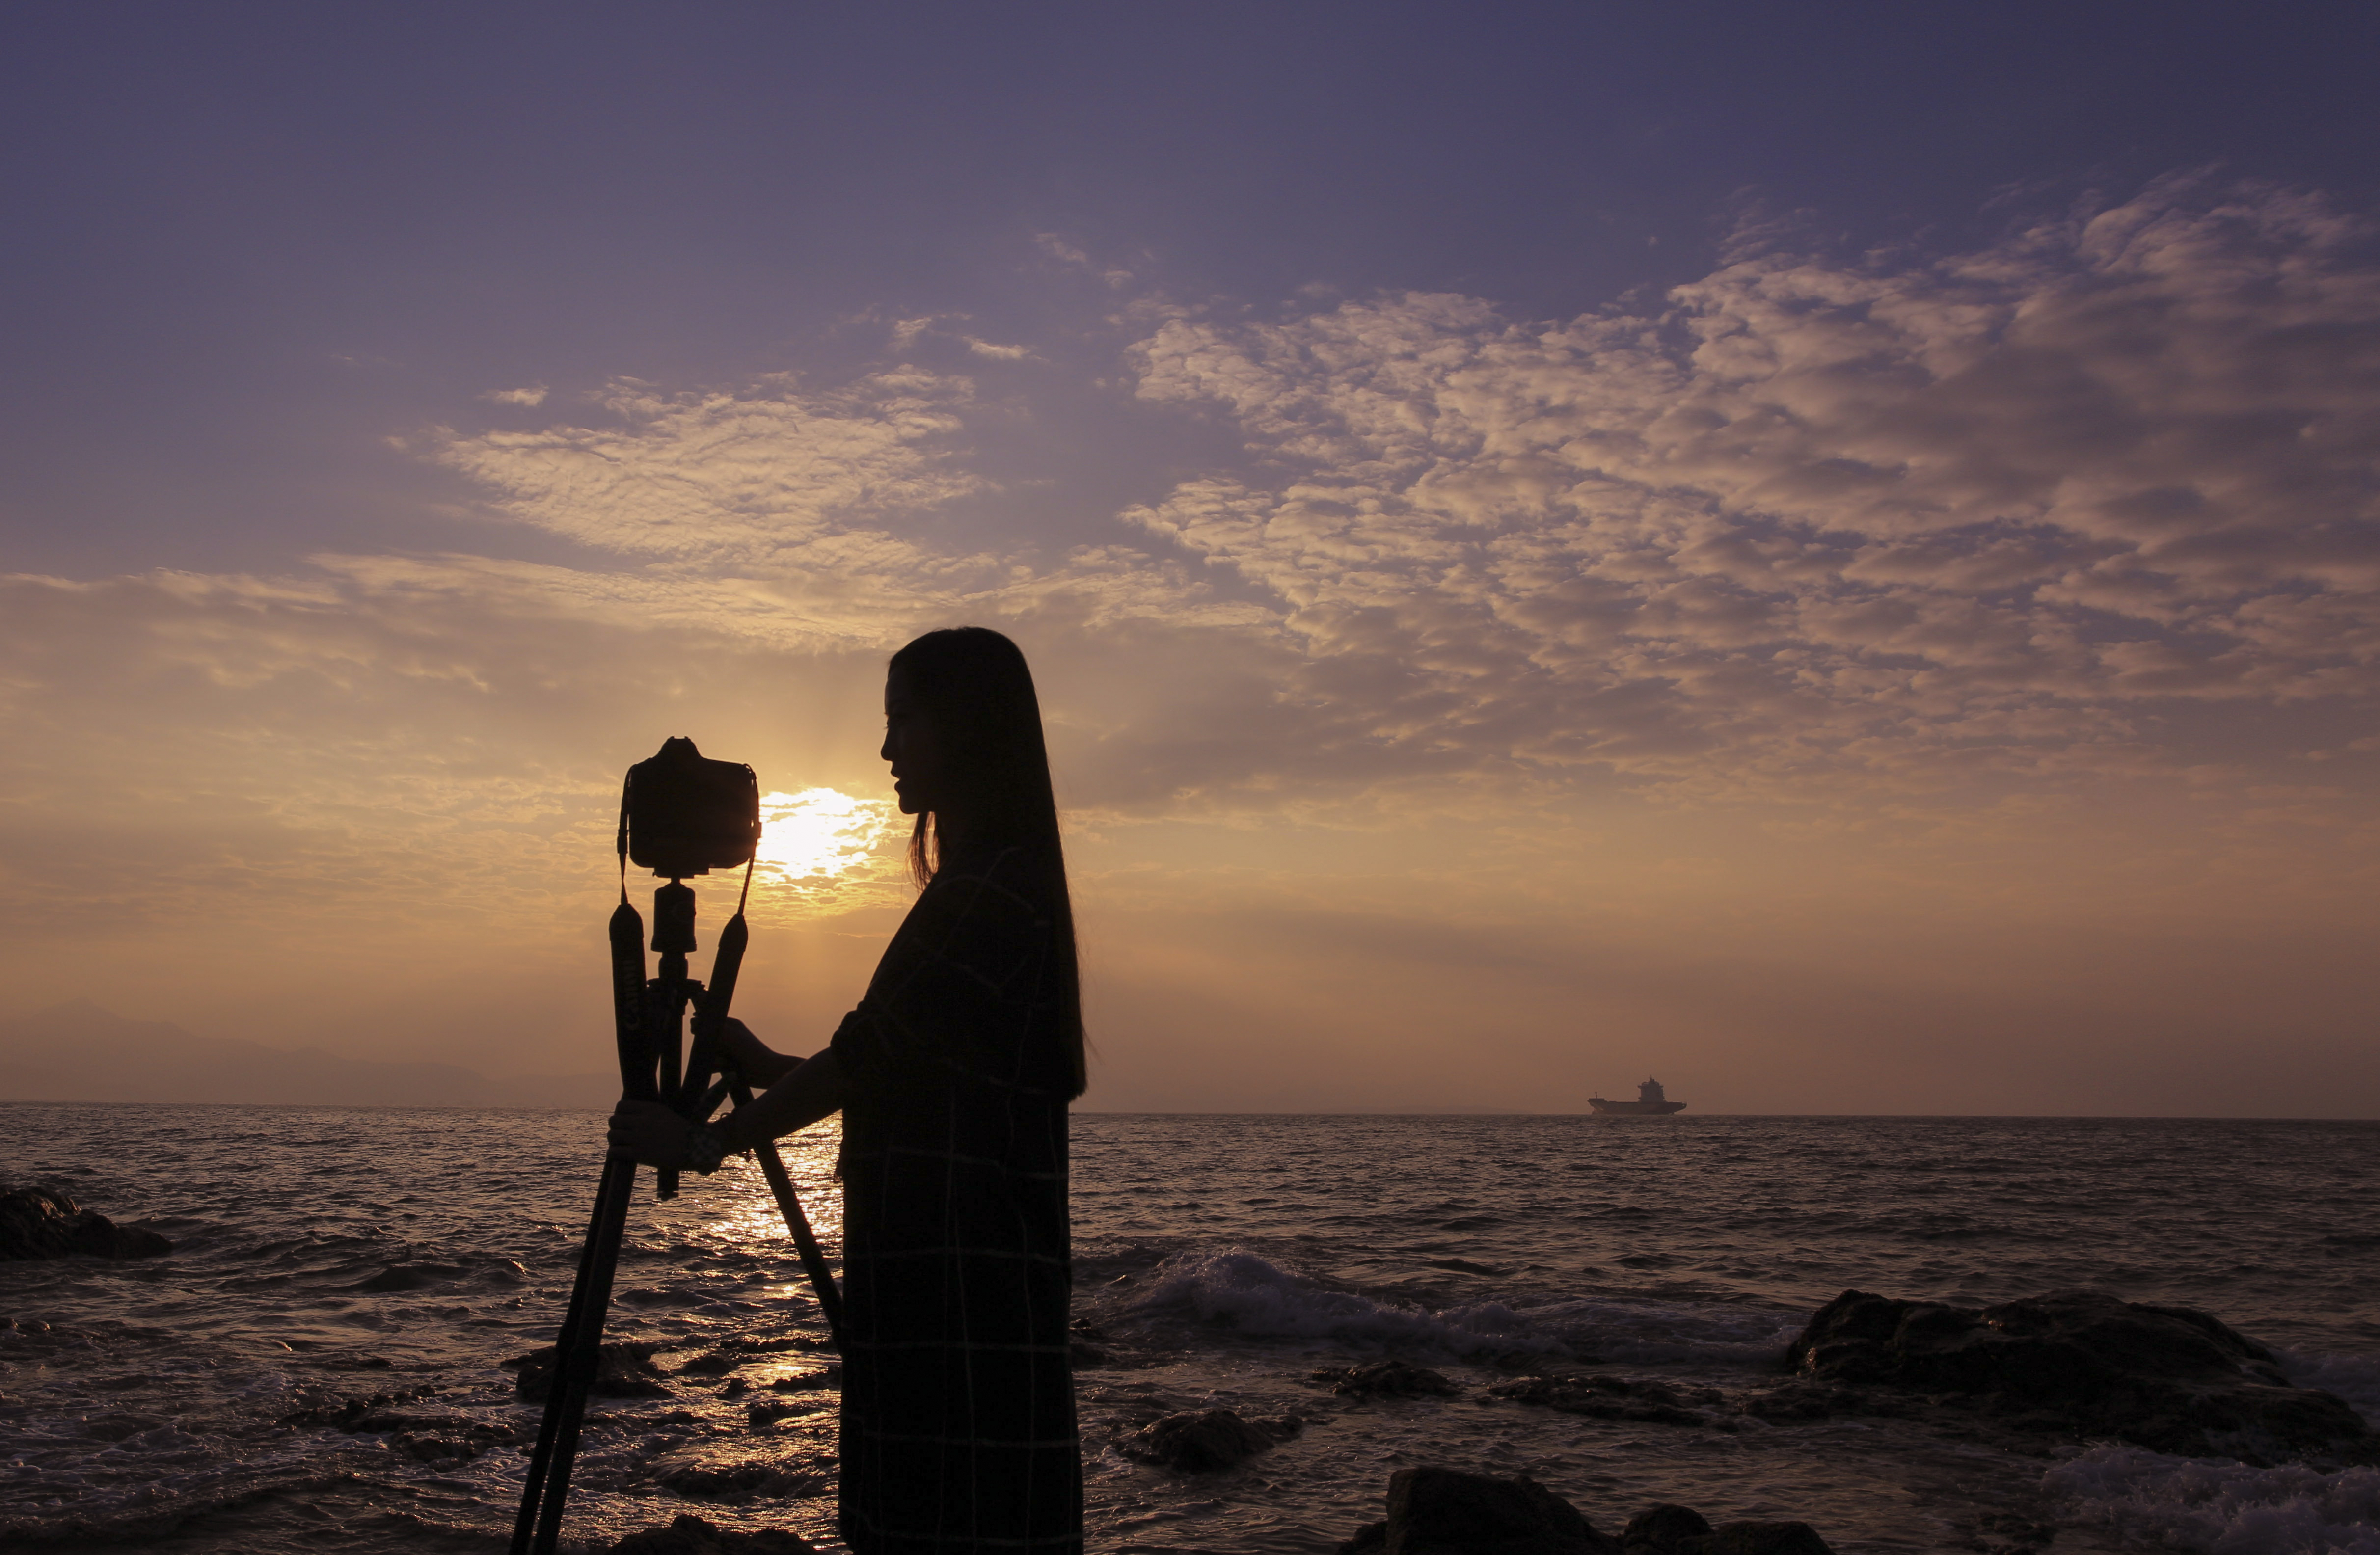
(910, 746)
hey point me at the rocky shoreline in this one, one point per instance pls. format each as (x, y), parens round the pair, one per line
(2037, 1377)
(2059, 1370)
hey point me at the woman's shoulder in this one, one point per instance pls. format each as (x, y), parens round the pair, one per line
(1005, 879)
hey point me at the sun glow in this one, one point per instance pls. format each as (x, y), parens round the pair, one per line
(819, 833)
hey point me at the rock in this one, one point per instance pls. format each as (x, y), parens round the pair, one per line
(1604, 1398)
(1082, 1357)
(1197, 1443)
(1392, 1379)
(1666, 1529)
(37, 1223)
(701, 1475)
(408, 1277)
(1764, 1539)
(1372, 1539)
(761, 1417)
(719, 1363)
(348, 1415)
(1445, 1512)
(1812, 1401)
(2086, 1364)
(692, 1535)
(624, 1371)
(423, 1438)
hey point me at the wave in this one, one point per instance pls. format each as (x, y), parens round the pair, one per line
(2219, 1506)
(156, 1511)
(2355, 1379)
(1253, 1296)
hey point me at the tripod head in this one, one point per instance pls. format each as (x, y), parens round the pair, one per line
(681, 814)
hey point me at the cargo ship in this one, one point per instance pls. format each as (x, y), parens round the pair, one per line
(1649, 1102)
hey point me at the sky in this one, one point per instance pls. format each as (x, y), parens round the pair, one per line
(1826, 554)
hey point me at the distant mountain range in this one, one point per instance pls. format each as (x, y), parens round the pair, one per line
(80, 1053)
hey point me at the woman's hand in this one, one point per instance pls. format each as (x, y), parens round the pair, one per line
(760, 1063)
(650, 1134)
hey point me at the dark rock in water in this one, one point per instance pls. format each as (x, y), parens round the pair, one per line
(1197, 1443)
(1764, 1539)
(1393, 1379)
(1666, 1529)
(407, 1276)
(692, 1535)
(719, 1363)
(347, 1414)
(624, 1372)
(1813, 1401)
(1081, 1357)
(703, 1476)
(761, 1417)
(428, 1439)
(1609, 1398)
(37, 1223)
(2084, 1363)
(1441, 1512)
(1445, 1512)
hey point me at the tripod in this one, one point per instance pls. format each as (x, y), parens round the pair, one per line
(650, 1018)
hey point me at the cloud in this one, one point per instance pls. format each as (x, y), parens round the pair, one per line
(1906, 520)
(530, 397)
(756, 475)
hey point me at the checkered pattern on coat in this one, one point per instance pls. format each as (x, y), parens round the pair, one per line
(958, 1405)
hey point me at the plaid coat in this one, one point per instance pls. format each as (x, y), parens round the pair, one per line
(958, 1405)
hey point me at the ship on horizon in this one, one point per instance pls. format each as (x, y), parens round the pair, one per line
(1649, 1102)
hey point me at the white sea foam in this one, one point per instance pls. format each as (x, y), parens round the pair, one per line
(1252, 1296)
(2221, 1507)
(2355, 1379)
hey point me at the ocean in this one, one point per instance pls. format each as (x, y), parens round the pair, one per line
(339, 1269)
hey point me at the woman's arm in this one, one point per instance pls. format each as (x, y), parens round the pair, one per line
(807, 1093)
(656, 1135)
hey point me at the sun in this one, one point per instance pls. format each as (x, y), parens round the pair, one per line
(821, 832)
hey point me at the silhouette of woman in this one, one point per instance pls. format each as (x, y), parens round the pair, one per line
(952, 1077)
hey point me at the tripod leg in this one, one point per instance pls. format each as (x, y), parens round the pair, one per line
(575, 1369)
(541, 1457)
(578, 1353)
(711, 1014)
(805, 1242)
(577, 1349)
(664, 1023)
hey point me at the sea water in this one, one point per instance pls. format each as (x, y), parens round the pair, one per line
(189, 1402)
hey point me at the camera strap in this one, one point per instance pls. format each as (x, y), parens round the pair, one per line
(623, 842)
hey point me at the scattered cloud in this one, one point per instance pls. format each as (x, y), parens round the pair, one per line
(530, 397)
(769, 475)
(1902, 584)
(1914, 521)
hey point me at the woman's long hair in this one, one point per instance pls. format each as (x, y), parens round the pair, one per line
(978, 695)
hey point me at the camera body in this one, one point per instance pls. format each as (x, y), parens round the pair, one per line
(683, 814)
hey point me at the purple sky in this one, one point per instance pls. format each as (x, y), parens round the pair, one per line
(1831, 555)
